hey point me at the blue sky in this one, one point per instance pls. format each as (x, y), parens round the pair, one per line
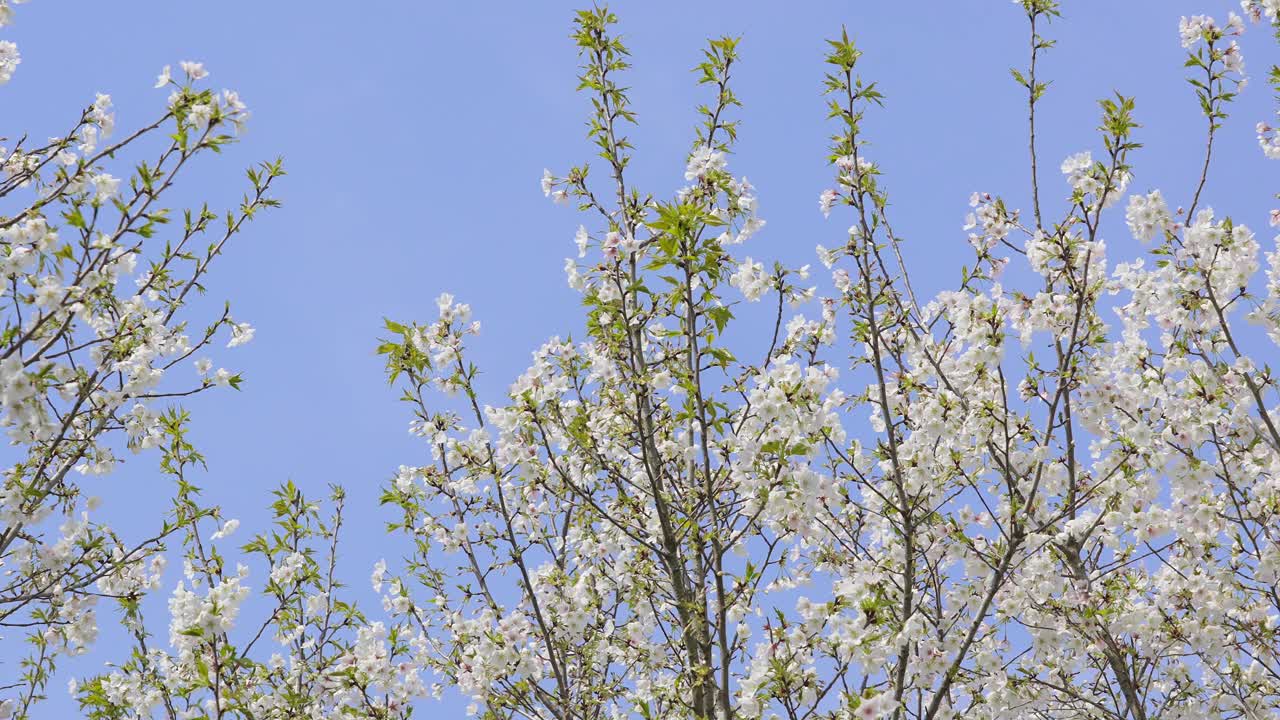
(415, 134)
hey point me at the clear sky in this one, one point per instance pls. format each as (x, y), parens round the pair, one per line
(415, 134)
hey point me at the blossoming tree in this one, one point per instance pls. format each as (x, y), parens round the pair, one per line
(97, 280)
(996, 503)
(1049, 492)
(83, 357)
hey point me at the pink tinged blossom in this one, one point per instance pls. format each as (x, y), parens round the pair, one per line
(194, 70)
(826, 200)
(1193, 29)
(9, 60)
(612, 241)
